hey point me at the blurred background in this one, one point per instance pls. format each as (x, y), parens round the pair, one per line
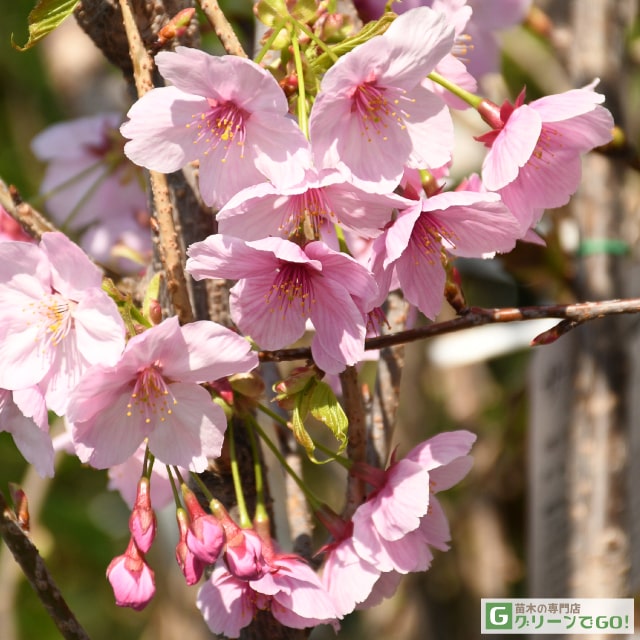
(551, 507)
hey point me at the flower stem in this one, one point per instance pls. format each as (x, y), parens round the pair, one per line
(303, 116)
(174, 488)
(245, 520)
(470, 98)
(275, 32)
(311, 499)
(261, 508)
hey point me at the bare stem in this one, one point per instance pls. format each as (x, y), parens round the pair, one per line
(38, 575)
(577, 313)
(170, 252)
(222, 28)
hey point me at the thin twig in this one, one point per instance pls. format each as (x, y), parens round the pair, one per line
(170, 252)
(38, 575)
(222, 28)
(32, 221)
(578, 313)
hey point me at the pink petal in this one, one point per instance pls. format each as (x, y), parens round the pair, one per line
(192, 432)
(225, 603)
(512, 148)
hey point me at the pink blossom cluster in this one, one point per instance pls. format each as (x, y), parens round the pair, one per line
(318, 221)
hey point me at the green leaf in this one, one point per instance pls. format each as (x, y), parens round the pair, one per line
(324, 406)
(299, 414)
(44, 18)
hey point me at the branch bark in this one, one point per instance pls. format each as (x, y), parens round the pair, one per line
(36, 572)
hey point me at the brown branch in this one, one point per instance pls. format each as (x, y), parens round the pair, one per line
(170, 252)
(577, 313)
(32, 221)
(222, 28)
(38, 575)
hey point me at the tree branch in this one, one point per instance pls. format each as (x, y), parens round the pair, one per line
(38, 575)
(222, 28)
(170, 252)
(576, 313)
(32, 221)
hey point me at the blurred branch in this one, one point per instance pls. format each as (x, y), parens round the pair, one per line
(577, 313)
(222, 28)
(38, 575)
(32, 221)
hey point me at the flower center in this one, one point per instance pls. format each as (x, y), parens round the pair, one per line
(54, 318)
(292, 286)
(223, 124)
(431, 237)
(309, 208)
(151, 397)
(548, 141)
(379, 107)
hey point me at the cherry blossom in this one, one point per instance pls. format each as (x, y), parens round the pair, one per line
(142, 522)
(373, 116)
(462, 223)
(132, 579)
(534, 158)
(291, 590)
(281, 285)
(154, 392)
(323, 199)
(394, 530)
(55, 320)
(225, 111)
(91, 188)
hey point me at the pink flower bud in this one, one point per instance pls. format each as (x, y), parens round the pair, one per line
(142, 522)
(205, 536)
(189, 564)
(131, 578)
(243, 556)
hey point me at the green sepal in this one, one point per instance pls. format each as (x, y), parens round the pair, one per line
(319, 400)
(129, 312)
(44, 18)
(370, 30)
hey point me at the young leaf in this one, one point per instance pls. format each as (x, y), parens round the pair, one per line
(324, 406)
(44, 18)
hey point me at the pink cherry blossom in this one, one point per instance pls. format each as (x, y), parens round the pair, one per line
(394, 529)
(142, 522)
(281, 285)
(489, 16)
(154, 392)
(227, 603)
(205, 535)
(291, 590)
(323, 199)
(91, 188)
(24, 415)
(55, 320)
(225, 111)
(190, 565)
(462, 223)
(131, 578)
(347, 578)
(372, 115)
(243, 555)
(534, 158)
